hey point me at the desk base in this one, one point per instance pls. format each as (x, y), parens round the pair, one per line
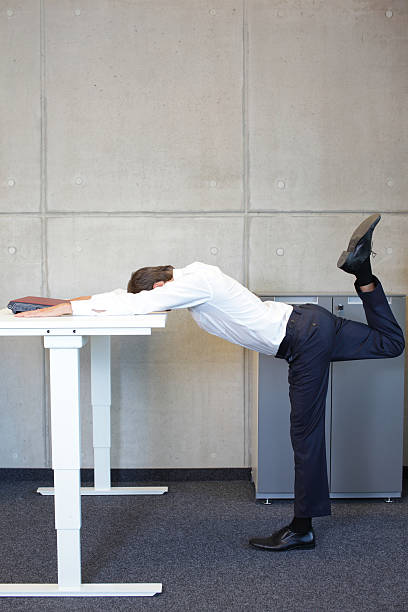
(142, 589)
(112, 491)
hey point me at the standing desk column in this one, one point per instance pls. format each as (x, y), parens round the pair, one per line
(101, 406)
(101, 403)
(66, 454)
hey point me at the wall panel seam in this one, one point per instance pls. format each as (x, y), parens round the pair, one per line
(246, 196)
(43, 209)
(202, 213)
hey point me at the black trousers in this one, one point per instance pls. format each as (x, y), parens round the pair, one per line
(314, 338)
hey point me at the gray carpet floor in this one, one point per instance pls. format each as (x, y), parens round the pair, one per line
(195, 541)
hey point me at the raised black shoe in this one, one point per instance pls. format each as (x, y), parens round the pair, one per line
(285, 539)
(359, 248)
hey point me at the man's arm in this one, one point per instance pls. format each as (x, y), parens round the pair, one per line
(52, 311)
(186, 292)
(191, 290)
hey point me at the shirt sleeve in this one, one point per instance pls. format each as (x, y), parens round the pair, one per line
(188, 291)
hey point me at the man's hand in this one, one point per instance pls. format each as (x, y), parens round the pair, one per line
(53, 311)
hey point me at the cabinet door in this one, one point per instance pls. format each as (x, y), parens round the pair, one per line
(367, 417)
(275, 455)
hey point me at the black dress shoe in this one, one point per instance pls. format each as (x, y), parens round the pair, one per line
(359, 248)
(285, 539)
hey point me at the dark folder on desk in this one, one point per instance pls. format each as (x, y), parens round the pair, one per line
(31, 302)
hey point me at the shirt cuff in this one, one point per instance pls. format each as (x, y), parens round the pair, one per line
(82, 307)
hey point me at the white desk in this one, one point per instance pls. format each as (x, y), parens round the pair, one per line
(64, 337)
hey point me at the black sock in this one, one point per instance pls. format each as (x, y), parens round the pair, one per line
(301, 525)
(364, 274)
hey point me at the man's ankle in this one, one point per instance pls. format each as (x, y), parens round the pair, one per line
(367, 288)
(301, 525)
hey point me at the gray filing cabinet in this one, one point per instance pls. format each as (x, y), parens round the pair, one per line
(364, 417)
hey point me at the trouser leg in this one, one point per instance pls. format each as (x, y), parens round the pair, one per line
(309, 366)
(317, 338)
(307, 430)
(382, 336)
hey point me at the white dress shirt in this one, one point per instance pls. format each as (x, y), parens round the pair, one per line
(218, 303)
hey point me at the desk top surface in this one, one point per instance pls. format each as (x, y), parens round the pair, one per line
(79, 325)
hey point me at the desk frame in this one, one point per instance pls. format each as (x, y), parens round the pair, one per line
(64, 337)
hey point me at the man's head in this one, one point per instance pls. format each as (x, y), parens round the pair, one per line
(148, 278)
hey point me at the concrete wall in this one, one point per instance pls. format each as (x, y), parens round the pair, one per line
(250, 134)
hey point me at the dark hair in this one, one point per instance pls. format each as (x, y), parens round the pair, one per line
(144, 278)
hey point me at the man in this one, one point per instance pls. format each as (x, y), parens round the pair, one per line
(308, 337)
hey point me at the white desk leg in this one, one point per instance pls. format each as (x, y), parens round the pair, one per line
(66, 448)
(66, 455)
(101, 404)
(101, 419)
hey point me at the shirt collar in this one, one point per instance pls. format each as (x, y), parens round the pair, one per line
(177, 273)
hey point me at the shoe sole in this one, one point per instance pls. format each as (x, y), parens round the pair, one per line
(359, 232)
(295, 547)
